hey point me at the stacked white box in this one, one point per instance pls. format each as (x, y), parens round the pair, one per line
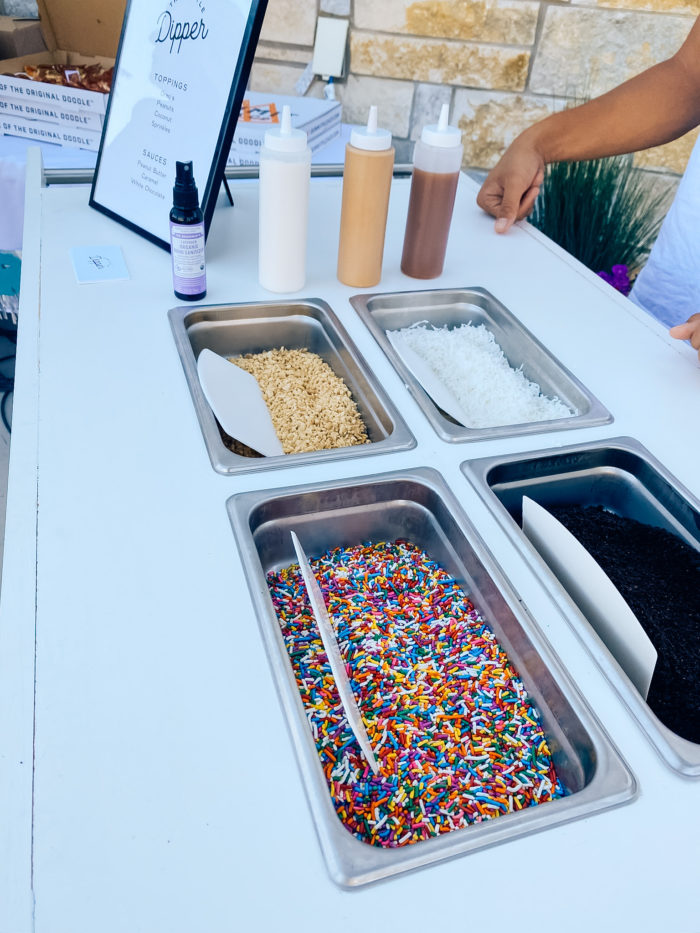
(320, 119)
(51, 113)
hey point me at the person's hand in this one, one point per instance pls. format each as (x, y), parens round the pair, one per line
(511, 188)
(689, 331)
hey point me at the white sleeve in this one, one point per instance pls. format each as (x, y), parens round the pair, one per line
(669, 284)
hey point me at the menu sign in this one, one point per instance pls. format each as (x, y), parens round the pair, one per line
(179, 79)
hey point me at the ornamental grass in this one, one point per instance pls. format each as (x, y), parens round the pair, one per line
(605, 212)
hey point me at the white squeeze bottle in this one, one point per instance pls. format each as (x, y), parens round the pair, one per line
(285, 173)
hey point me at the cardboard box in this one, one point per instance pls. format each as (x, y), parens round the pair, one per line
(20, 37)
(75, 33)
(259, 111)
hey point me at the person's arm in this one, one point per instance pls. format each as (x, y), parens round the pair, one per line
(652, 108)
(689, 331)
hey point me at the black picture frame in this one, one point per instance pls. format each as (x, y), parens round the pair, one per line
(225, 119)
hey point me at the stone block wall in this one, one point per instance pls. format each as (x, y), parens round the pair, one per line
(500, 64)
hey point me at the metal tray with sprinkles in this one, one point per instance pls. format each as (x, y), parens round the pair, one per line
(455, 734)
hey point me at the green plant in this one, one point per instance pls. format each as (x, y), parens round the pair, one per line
(605, 212)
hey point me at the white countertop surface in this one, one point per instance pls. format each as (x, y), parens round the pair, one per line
(147, 780)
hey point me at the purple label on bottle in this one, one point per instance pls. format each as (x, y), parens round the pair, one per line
(187, 250)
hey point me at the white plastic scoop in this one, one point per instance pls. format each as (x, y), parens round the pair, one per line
(335, 659)
(594, 593)
(435, 388)
(237, 402)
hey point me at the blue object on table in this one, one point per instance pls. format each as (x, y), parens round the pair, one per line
(10, 267)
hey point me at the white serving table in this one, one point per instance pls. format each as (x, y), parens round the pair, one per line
(147, 781)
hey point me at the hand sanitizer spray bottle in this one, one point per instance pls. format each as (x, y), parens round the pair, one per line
(187, 237)
(437, 161)
(285, 175)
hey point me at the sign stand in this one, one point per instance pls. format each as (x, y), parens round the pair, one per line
(179, 80)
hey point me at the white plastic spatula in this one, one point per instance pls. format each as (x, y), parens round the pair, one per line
(594, 593)
(335, 659)
(237, 402)
(436, 389)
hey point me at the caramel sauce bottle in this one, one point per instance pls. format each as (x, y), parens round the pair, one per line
(437, 161)
(369, 169)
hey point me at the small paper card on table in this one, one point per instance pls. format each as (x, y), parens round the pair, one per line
(98, 263)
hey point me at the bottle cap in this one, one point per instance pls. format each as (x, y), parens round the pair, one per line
(185, 194)
(284, 138)
(371, 136)
(440, 133)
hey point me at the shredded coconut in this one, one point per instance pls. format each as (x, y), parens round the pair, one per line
(470, 363)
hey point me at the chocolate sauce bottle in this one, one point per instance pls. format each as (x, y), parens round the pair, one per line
(437, 161)
(187, 237)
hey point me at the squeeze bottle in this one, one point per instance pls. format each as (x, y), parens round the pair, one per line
(369, 167)
(437, 160)
(187, 237)
(285, 173)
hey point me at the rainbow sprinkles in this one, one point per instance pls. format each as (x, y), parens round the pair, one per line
(455, 734)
